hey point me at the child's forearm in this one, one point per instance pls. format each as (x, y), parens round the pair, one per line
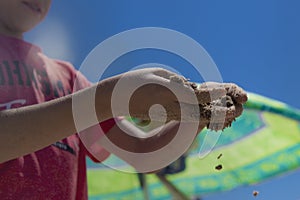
(139, 143)
(28, 129)
(126, 142)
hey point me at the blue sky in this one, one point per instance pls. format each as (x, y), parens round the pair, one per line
(255, 44)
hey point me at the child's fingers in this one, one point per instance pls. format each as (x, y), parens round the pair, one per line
(208, 94)
(219, 116)
(237, 93)
(238, 109)
(205, 93)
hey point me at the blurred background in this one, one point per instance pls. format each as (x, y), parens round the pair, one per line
(255, 44)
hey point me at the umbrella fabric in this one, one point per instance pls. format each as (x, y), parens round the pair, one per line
(262, 143)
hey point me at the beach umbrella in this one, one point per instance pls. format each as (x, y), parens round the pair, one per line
(261, 144)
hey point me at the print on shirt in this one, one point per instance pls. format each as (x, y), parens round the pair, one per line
(9, 105)
(16, 72)
(64, 147)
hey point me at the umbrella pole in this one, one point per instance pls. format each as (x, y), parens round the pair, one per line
(177, 194)
(144, 186)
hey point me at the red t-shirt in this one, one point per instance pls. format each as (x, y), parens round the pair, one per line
(56, 172)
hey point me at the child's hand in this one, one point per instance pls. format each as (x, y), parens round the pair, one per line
(220, 113)
(160, 95)
(137, 93)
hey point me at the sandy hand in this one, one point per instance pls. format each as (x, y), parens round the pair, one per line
(216, 105)
(220, 112)
(219, 103)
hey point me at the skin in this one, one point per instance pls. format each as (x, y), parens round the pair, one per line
(26, 15)
(22, 139)
(18, 137)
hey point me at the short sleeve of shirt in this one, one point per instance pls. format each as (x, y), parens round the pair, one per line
(90, 137)
(99, 154)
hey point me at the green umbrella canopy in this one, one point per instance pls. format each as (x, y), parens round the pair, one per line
(262, 143)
